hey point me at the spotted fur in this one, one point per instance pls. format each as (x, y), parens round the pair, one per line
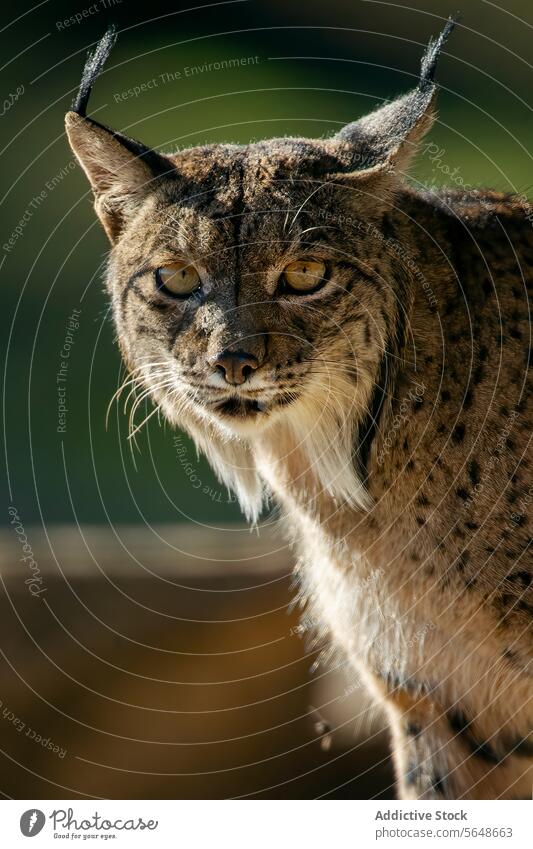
(388, 415)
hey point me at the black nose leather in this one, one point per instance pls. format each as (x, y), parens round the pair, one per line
(236, 366)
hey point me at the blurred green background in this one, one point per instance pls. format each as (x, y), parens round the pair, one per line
(318, 66)
(160, 656)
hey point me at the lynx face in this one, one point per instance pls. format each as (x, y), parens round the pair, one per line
(237, 296)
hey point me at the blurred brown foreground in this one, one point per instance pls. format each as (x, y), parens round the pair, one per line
(165, 663)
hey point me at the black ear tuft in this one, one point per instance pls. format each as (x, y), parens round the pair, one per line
(391, 134)
(432, 53)
(93, 68)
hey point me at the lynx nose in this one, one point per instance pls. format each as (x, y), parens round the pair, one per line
(236, 366)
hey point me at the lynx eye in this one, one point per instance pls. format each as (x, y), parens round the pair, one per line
(179, 279)
(304, 275)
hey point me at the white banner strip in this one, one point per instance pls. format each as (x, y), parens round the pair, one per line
(266, 824)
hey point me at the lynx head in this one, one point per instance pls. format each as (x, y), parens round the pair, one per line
(243, 279)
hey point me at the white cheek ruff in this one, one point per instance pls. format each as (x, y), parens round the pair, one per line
(321, 424)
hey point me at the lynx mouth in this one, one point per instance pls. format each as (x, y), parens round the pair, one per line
(240, 407)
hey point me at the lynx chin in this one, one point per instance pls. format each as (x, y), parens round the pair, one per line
(283, 302)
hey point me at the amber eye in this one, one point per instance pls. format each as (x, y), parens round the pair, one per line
(304, 275)
(178, 278)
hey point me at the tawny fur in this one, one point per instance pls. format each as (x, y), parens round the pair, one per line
(388, 416)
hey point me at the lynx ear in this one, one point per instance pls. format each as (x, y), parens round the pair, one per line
(388, 138)
(121, 171)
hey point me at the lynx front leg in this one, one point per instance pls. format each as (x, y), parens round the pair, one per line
(441, 754)
(419, 758)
